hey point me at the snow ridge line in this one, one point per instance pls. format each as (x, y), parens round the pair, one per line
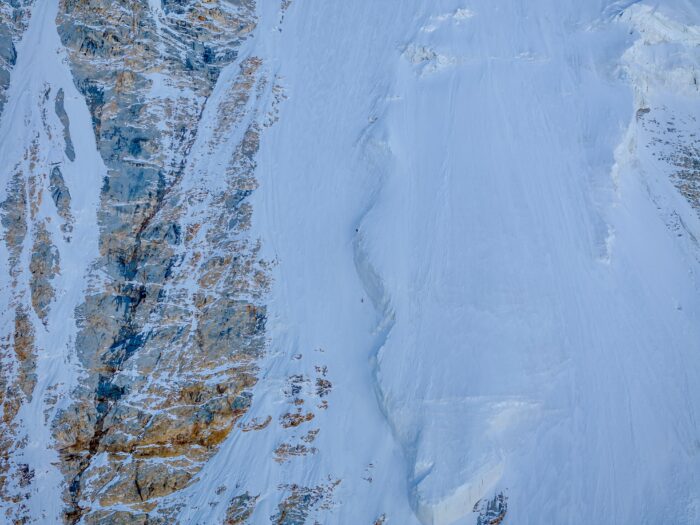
(377, 156)
(618, 8)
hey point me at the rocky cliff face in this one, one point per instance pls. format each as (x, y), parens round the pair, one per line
(172, 322)
(171, 328)
(14, 17)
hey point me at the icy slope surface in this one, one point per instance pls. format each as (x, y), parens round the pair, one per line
(518, 302)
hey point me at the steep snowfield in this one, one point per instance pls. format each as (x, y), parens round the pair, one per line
(306, 215)
(462, 222)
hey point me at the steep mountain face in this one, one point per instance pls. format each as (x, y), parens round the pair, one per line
(13, 22)
(18, 386)
(169, 326)
(369, 262)
(144, 419)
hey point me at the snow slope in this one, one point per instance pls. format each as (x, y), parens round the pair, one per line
(460, 215)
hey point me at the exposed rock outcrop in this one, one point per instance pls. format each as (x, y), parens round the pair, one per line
(13, 21)
(173, 324)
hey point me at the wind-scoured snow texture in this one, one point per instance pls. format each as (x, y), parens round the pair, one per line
(548, 317)
(467, 240)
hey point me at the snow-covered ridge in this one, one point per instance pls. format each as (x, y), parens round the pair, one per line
(655, 27)
(665, 56)
(663, 66)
